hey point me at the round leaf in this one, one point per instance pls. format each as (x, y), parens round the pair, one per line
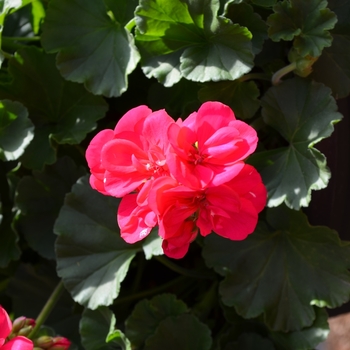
(283, 271)
(92, 258)
(92, 48)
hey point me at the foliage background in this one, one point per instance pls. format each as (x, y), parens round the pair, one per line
(70, 68)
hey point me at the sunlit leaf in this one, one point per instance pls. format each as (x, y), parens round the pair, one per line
(187, 39)
(296, 266)
(92, 48)
(92, 258)
(303, 112)
(16, 130)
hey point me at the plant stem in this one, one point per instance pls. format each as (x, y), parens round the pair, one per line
(260, 76)
(21, 38)
(182, 271)
(46, 310)
(276, 78)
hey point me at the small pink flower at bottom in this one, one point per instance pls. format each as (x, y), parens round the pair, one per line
(16, 343)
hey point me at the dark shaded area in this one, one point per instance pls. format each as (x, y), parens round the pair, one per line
(330, 207)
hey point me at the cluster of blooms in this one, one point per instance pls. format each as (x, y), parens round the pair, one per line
(185, 176)
(13, 336)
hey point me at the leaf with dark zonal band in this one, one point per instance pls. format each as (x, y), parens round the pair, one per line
(92, 48)
(92, 258)
(61, 111)
(282, 270)
(187, 39)
(307, 22)
(303, 112)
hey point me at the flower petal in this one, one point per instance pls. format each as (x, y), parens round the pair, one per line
(5, 323)
(18, 343)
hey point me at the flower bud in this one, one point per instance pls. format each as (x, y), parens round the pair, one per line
(60, 343)
(25, 331)
(21, 322)
(44, 342)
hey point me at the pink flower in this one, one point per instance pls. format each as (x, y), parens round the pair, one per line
(16, 343)
(123, 159)
(209, 147)
(230, 210)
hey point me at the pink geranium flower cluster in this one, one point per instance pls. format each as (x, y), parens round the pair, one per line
(185, 176)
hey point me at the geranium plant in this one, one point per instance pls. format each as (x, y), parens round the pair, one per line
(157, 158)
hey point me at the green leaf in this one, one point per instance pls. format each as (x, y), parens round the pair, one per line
(152, 245)
(242, 97)
(123, 10)
(251, 341)
(9, 249)
(147, 315)
(264, 3)
(97, 330)
(16, 130)
(282, 270)
(244, 15)
(61, 111)
(38, 15)
(40, 198)
(307, 22)
(333, 67)
(188, 39)
(307, 338)
(92, 258)
(92, 48)
(303, 112)
(183, 332)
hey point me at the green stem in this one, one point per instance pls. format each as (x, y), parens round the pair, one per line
(45, 312)
(276, 78)
(182, 271)
(21, 38)
(259, 76)
(150, 292)
(130, 25)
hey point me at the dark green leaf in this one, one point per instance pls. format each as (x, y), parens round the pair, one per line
(92, 258)
(264, 3)
(183, 332)
(251, 341)
(92, 48)
(123, 10)
(147, 315)
(186, 38)
(333, 67)
(40, 197)
(282, 271)
(8, 242)
(16, 130)
(307, 22)
(242, 97)
(60, 110)
(307, 338)
(303, 112)
(96, 327)
(244, 15)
